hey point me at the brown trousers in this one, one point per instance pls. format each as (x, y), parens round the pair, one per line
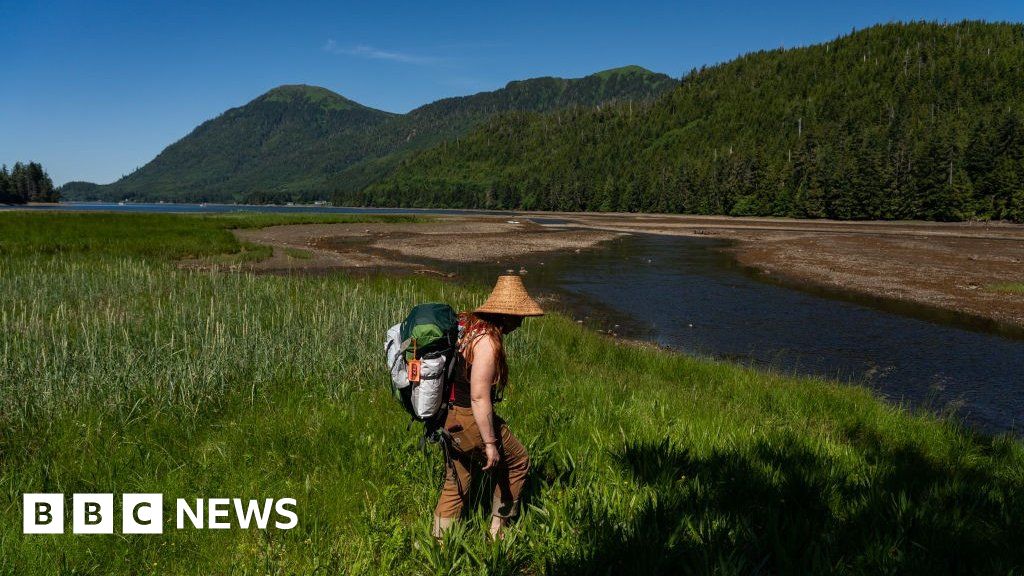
(467, 445)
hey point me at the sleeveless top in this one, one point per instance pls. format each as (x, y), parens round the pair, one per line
(460, 395)
(460, 383)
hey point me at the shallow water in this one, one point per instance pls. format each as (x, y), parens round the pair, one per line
(686, 294)
(222, 208)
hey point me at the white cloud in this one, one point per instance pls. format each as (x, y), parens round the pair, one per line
(364, 51)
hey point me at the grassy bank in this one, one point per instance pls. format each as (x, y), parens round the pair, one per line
(1012, 287)
(159, 237)
(120, 374)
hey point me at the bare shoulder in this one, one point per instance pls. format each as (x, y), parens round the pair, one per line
(485, 346)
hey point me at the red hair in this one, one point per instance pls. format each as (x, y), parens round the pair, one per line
(476, 326)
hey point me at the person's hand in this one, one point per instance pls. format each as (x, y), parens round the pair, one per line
(491, 452)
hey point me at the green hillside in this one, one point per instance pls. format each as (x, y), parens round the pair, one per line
(306, 142)
(452, 117)
(919, 120)
(78, 189)
(267, 146)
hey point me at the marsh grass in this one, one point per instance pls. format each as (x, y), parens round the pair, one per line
(120, 374)
(298, 253)
(154, 236)
(248, 252)
(1011, 287)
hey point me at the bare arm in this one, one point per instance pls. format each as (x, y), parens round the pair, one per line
(480, 381)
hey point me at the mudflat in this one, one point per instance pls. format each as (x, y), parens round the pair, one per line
(964, 267)
(410, 247)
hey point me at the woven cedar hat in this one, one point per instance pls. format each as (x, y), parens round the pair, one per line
(510, 297)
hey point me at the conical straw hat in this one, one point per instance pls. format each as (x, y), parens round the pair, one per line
(510, 297)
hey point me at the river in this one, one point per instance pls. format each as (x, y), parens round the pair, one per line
(685, 293)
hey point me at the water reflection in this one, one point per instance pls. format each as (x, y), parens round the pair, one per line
(685, 294)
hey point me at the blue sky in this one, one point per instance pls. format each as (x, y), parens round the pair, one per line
(93, 89)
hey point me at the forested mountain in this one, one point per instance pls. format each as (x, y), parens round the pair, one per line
(919, 120)
(305, 142)
(26, 183)
(271, 145)
(80, 189)
(452, 117)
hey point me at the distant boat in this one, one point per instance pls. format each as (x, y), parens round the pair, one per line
(203, 205)
(121, 203)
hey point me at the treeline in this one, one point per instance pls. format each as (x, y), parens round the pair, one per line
(901, 121)
(450, 118)
(26, 183)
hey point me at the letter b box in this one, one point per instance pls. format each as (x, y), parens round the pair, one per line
(43, 513)
(92, 513)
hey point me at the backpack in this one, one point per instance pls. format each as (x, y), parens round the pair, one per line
(421, 352)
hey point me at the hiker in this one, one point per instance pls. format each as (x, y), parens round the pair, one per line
(477, 433)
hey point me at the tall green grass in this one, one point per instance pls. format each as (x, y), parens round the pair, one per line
(154, 236)
(120, 374)
(1011, 287)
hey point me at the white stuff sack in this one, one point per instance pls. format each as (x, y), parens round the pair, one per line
(425, 397)
(426, 394)
(395, 357)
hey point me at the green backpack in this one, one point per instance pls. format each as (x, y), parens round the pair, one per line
(421, 353)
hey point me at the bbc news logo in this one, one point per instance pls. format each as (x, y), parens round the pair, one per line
(144, 513)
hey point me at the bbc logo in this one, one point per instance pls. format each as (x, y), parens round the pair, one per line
(144, 513)
(93, 513)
